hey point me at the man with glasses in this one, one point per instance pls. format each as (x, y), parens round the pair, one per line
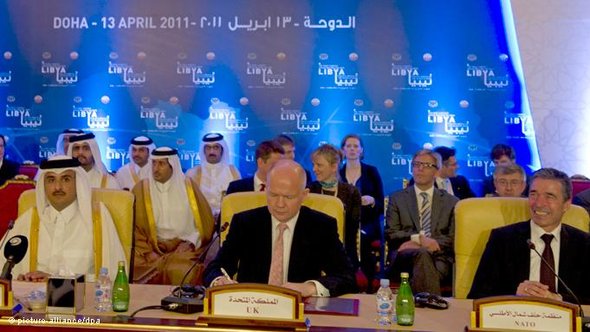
(501, 155)
(421, 226)
(510, 181)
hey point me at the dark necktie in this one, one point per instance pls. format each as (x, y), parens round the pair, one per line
(262, 187)
(547, 276)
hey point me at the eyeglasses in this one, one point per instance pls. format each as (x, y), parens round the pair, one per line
(419, 164)
(505, 183)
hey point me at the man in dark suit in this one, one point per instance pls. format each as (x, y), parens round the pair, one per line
(583, 199)
(311, 259)
(267, 153)
(448, 179)
(8, 168)
(288, 145)
(508, 266)
(421, 226)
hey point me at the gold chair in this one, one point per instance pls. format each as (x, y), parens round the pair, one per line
(474, 220)
(10, 191)
(118, 202)
(242, 201)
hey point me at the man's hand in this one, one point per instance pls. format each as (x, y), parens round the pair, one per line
(184, 247)
(36, 276)
(367, 200)
(408, 245)
(306, 289)
(535, 288)
(223, 280)
(169, 245)
(429, 243)
(152, 256)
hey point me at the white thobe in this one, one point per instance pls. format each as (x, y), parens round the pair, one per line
(172, 214)
(213, 183)
(125, 178)
(66, 243)
(95, 179)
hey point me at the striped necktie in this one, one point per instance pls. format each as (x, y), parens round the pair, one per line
(425, 213)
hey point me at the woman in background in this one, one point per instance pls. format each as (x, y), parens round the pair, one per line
(326, 160)
(367, 180)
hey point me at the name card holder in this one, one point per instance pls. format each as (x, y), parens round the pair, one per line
(253, 305)
(65, 295)
(6, 300)
(510, 313)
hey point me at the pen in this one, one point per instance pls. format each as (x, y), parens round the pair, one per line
(225, 274)
(23, 304)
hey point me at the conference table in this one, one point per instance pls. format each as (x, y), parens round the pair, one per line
(456, 318)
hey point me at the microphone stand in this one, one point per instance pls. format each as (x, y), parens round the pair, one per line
(8, 229)
(190, 304)
(585, 320)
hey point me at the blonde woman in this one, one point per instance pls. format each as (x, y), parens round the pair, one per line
(326, 160)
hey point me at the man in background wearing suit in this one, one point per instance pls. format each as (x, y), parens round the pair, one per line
(284, 243)
(288, 145)
(267, 153)
(421, 226)
(510, 181)
(447, 178)
(8, 168)
(508, 266)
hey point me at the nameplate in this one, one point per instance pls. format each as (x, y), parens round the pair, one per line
(252, 305)
(524, 313)
(6, 300)
(5, 293)
(65, 295)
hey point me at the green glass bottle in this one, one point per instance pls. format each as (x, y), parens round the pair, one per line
(404, 304)
(121, 290)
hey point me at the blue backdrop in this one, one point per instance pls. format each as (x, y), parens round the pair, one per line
(402, 74)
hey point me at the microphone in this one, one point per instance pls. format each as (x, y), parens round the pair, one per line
(8, 229)
(14, 252)
(585, 320)
(188, 299)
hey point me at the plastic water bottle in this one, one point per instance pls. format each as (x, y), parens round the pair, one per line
(102, 291)
(384, 303)
(404, 304)
(121, 290)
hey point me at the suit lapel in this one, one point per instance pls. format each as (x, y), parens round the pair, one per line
(435, 209)
(522, 251)
(265, 251)
(299, 244)
(566, 258)
(412, 202)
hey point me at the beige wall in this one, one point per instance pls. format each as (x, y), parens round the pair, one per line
(554, 41)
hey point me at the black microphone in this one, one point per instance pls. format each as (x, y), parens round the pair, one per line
(14, 252)
(8, 229)
(585, 320)
(188, 299)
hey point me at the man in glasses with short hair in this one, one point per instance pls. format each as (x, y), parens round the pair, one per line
(510, 181)
(421, 227)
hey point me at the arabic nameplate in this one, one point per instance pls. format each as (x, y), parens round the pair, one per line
(526, 313)
(254, 301)
(253, 306)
